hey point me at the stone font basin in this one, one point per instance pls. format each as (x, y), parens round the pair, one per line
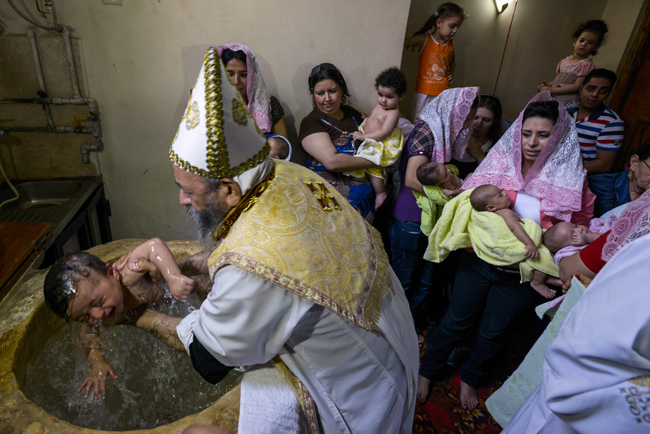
(26, 323)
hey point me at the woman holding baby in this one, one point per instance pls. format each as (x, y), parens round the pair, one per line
(537, 163)
(326, 136)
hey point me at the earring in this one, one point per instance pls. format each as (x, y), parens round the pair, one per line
(630, 175)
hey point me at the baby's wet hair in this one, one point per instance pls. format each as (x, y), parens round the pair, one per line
(60, 285)
(392, 78)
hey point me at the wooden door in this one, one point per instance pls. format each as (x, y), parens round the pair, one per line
(631, 98)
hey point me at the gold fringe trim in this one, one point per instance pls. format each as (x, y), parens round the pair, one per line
(305, 399)
(378, 282)
(290, 284)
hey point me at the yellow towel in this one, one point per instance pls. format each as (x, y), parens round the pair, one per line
(382, 153)
(460, 226)
(431, 203)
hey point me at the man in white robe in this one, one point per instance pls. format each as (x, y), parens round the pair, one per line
(597, 371)
(297, 274)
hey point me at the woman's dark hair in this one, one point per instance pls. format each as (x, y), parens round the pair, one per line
(444, 11)
(542, 109)
(327, 71)
(60, 285)
(643, 152)
(493, 104)
(598, 27)
(227, 55)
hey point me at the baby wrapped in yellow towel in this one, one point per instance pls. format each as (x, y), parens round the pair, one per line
(494, 238)
(435, 178)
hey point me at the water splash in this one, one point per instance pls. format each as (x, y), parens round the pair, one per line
(154, 387)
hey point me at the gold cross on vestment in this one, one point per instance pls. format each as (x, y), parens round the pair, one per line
(323, 197)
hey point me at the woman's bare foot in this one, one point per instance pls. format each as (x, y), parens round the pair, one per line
(468, 396)
(423, 389)
(544, 290)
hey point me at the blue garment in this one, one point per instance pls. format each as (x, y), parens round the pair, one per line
(611, 190)
(481, 291)
(407, 245)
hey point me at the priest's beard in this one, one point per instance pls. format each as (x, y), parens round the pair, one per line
(208, 220)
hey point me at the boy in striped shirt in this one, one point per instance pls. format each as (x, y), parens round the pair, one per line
(600, 130)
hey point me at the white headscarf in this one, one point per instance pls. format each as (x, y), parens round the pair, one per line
(446, 116)
(556, 177)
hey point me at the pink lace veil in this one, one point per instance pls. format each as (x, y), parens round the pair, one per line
(259, 101)
(446, 115)
(633, 223)
(556, 177)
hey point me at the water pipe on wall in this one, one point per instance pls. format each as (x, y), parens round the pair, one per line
(39, 74)
(93, 107)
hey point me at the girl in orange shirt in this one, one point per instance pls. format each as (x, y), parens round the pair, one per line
(435, 54)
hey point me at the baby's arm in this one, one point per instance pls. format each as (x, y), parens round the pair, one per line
(512, 220)
(156, 251)
(161, 326)
(100, 369)
(387, 127)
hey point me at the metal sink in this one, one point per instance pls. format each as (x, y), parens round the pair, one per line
(54, 201)
(40, 194)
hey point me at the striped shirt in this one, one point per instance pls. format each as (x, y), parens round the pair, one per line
(602, 130)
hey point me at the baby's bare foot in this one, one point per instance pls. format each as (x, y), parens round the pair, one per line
(468, 396)
(423, 389)
(544, 290)
(380, 198)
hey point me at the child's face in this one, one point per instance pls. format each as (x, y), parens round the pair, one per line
(99, 296)
(567, 232)
(448, 27)
(585, 44)
(497, 198)
(387, 97)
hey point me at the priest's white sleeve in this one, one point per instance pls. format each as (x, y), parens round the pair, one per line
(245, 320)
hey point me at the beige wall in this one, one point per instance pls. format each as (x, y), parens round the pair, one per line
(140, 59)
(540, 37)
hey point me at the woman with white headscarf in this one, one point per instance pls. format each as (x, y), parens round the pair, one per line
(242, 66)
(537, 163)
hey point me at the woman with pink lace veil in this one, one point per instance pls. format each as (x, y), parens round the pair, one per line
(633, 223)
(537, 163)
(242, 66)
(442, 134)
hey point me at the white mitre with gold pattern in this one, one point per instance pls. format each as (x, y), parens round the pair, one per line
(217, 136)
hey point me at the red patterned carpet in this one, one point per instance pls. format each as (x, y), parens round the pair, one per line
(443, 413)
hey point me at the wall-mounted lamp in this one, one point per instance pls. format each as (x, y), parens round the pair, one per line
(501, 5)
